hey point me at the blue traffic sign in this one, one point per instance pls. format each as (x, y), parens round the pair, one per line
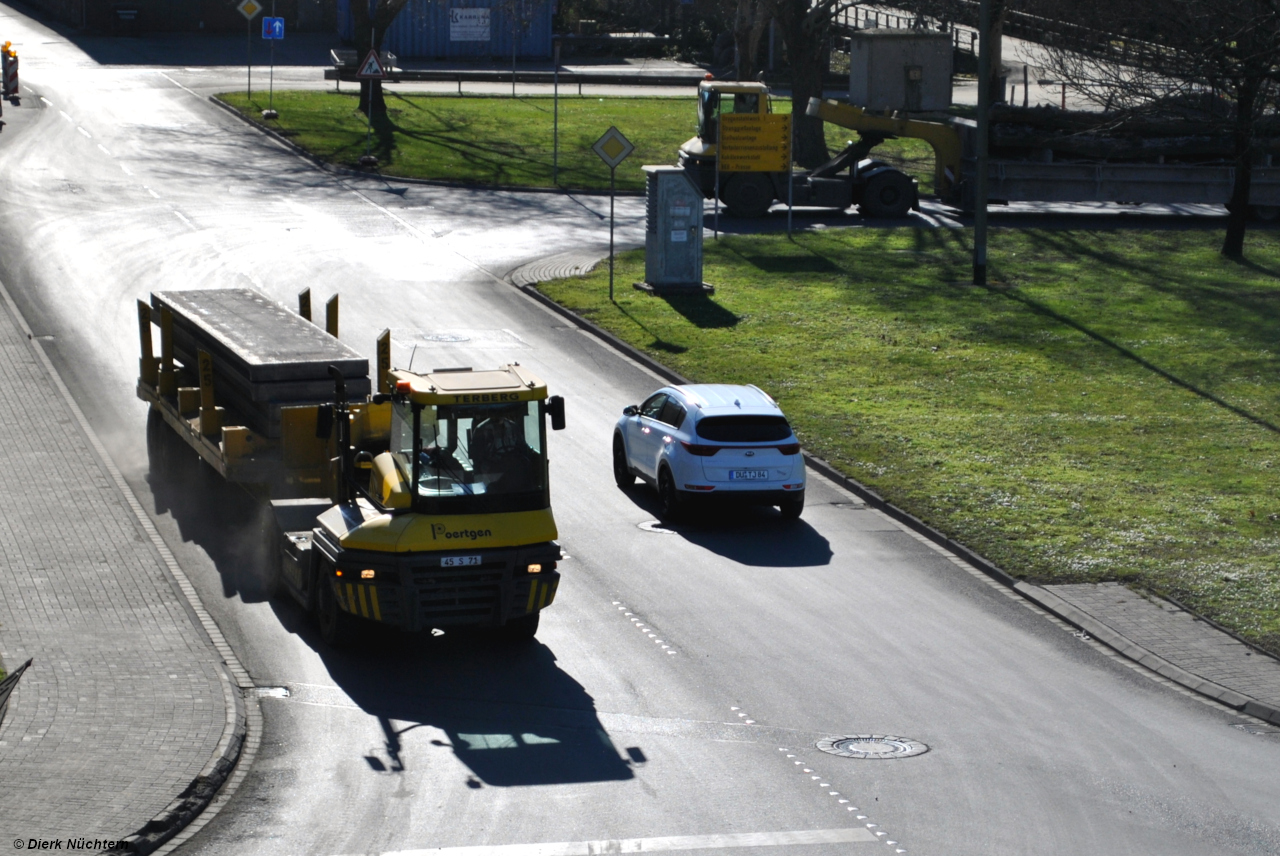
(273, 28)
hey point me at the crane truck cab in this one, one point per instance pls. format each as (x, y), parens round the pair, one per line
(850, 178)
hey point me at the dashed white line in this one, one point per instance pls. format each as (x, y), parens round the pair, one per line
(153, 193)
(190, 225)
(840, 800)
(83, 131)
(66, 115)
(46, 101)
(126, 169)
(642, 627)
(103, 149)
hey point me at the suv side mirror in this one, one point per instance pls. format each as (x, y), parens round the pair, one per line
(630, 410)
(555, 409)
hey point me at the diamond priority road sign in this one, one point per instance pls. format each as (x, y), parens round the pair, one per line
(613, 148)
(250, 9)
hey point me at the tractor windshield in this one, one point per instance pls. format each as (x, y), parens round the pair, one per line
(709, 110)
(467, 459)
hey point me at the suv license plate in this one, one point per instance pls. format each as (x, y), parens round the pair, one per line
(747, 475)
(459, 561)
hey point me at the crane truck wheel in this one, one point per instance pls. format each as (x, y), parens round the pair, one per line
(337, 628)
(888, 194)
(747, 195)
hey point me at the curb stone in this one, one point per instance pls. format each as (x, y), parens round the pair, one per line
(200, 792)
(1046, 600)
(347, 172)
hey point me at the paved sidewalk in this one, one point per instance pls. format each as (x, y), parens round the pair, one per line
(1180, 638)
(127, 701)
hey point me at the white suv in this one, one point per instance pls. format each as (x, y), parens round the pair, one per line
(711, 441)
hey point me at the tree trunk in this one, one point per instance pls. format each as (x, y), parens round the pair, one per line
(1238, 207)
(749, 22)
(804, 29)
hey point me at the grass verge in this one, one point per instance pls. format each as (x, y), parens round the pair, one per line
(508, 141)
(1111, 411)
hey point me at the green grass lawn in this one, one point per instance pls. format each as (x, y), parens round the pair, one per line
(1110, 412)
(508, 141)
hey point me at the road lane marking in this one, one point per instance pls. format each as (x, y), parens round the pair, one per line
(654, 845)
(190, 225)
(83, 131)
(104, 150)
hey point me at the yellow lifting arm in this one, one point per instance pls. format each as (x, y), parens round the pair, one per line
(944, 139)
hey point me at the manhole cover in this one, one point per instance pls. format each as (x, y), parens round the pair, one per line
(872, 746)
(656, 527)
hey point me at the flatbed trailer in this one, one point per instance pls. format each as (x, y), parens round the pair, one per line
(389, 508)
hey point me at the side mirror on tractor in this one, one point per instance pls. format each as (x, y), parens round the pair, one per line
(555, 409)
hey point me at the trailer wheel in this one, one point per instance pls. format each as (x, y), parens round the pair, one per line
(888, 194)
(1266, 213)
(337, 628)
(748, 195)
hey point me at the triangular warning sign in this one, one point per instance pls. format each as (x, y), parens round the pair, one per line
(371, 68)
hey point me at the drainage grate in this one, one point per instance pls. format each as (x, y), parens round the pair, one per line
(872, 746)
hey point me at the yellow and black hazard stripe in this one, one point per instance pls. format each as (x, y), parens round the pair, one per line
(359, 599)
(541, 593)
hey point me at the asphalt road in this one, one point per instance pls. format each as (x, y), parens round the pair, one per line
(680, 682)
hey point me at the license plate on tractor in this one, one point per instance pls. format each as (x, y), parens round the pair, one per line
(459, 561)
(748, 475)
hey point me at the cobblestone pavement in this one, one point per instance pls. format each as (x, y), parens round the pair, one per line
(126, 701)
(1173, 634)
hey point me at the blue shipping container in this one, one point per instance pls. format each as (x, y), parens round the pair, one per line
(475, 29)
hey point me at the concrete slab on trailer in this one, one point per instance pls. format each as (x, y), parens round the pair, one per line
(255, 337)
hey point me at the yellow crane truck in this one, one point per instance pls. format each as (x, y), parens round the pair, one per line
(417, 502)
(849, 178)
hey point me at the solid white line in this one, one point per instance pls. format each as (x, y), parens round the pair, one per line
(654, 845)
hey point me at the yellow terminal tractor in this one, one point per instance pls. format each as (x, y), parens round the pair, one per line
(422, 504)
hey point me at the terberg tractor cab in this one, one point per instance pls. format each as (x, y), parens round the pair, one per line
(849, 178)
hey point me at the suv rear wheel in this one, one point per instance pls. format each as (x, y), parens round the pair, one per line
(670, 504)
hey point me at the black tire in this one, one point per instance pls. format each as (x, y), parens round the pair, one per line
(521, 629)
(337, 628)
(748, 195)
(887, 194)
(622, 475)
(792, 508)
(670, 504)
(1266, 213)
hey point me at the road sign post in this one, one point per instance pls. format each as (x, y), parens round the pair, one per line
(612, 148)
(273, 31)
(371, 69)
(250, 10)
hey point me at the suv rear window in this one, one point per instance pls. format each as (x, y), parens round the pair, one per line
(744, 429)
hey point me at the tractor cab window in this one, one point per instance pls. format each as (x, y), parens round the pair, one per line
(474, 458)
(709, 104)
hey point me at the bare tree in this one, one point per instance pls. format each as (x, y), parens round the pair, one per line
(371, 21)
(807, 27)
(1211, 64)
(750, 19)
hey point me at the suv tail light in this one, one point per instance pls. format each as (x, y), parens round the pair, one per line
(789, 448)
(701, 451)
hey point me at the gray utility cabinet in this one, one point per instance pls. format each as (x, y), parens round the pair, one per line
(673, 229)
(900, 70)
